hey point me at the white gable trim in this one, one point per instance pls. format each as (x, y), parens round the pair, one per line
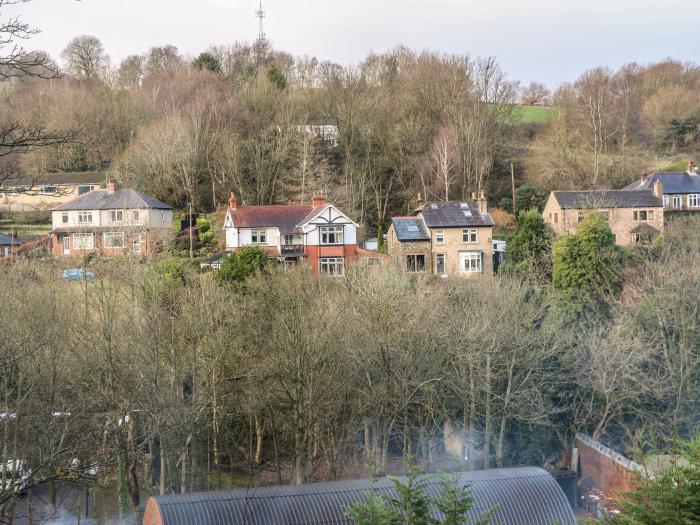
(228, 221)
(304, 225)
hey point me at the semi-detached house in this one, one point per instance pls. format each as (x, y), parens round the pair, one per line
(318, 233)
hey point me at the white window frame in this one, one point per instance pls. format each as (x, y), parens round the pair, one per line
(677, 202)
(79, 241)
(331, 266)
(648, 215)
(258, 236)
(440, 237)
(64, 217)
(83, 191)
(471, 262)
(665, 201)
(336, 232)
(693, 200)
(116, 216)
(112, 236)
(48, 190)
(162, 216)
(444, 264)
(135, 217)
(85, 217)
(471, 236)
(136, 245)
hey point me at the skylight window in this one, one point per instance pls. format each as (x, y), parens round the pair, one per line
(464, 205)
(467, 213)
(412, 228)
(434, 206)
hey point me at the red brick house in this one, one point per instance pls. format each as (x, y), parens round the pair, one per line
(113, 221)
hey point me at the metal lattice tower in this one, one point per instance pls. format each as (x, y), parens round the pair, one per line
(260, 14)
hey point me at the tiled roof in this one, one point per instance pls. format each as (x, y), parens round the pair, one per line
(284, 217)
(409, 229)
(6, 240)
(57, 179)
(454, 215)
(122, 198)
(673, 182)
(607, 199)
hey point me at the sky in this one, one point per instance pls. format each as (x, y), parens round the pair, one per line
(551, 41)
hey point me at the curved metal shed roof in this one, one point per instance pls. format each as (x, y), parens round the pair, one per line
(520, 496)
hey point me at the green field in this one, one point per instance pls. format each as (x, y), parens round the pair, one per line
(23, 231)
(535, 114)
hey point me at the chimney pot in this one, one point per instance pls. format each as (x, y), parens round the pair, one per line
(112, 185)
(232, 201)
(691, 163)
(318, 200)
(483, 204)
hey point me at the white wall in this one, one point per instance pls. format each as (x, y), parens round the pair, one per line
(330, 217)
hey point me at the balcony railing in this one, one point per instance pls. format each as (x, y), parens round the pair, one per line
(292, 249)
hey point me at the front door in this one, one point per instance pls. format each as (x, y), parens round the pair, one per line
(440, 263)
(65, 240)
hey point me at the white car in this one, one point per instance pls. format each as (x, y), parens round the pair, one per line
(15, 475)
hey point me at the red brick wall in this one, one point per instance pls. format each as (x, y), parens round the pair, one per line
(57, 247)
(313, 253)
(609, 476)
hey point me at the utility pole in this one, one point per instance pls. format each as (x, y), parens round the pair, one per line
(512, 184)
(191, 232)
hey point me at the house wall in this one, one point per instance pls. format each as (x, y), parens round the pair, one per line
(39, 202)
(684, 202)
(399, 250)
(454, 245)
(147, 217)
(147, 240)
(621, 220)
(610, 472)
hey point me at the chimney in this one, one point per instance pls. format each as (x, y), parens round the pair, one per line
(232, 201)
(483, 205)
(658, 189)
(318, 200)
(691, 163)
(112, 185)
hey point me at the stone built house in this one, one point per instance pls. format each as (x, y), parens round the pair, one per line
(44, 192)
(634, 216)
(113, 221)
(317, 233)
(445, 239)
(680, 190)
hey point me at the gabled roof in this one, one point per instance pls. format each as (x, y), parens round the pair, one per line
(286, 217)
(607, 199)
(6, 240)
(673, 182)
(54, 179)
(122, 198)
(453, 214)
(409, 229)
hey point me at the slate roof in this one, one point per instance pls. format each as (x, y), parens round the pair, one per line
(452, 215)
(6, 240)
(516, 496)
(122, 198)
(607, 199)
(673, 182)
(55, 179)
(410, 229)
(285, 217)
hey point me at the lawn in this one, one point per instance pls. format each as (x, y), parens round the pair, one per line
(535, 114)
(24, 231)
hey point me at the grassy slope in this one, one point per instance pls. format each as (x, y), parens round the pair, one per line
(536, 114)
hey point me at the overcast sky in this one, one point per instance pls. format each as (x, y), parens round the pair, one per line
(548, 40)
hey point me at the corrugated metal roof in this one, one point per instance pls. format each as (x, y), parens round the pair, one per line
(55, 179)
(454, 215)
(410, 229)
(122, 198)
(607, 199)
(520, 496)
(673, 182)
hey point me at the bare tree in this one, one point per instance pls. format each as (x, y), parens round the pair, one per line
(85, 57)
(534, 94)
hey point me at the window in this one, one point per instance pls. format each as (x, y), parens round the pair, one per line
(114, 240)
(469, 236)
(556, 218)
(258, 236)
(331, 234)
(676, 201)
(694, 200)
(643, 215)
(470, 262)
(334, 266)
(48, 190)
(665, 201)
(136, 245)
(85, 217)
(64, 218)
(415, 263)
(116, 215)
(440, 264)
(162, 216)
(440, 237)
(635, 237)
(135, 217)
(83, 241)
(581, 216)
(85, 188)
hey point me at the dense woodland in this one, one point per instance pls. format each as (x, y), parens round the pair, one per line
(170, 380)
(192, 129)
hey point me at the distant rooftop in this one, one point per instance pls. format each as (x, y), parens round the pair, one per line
(122, 198)
(55, 179)
(607, 199)
(409, 229)
(673, 182)
(453, 214)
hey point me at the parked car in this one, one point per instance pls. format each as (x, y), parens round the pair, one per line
(77, 274)
(15, 475)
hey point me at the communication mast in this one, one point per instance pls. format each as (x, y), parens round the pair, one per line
(260, 14)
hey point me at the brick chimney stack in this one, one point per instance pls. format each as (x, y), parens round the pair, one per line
(658, 189)
(232, 201)
(483, 204)
(318, 200)
(112, 185)
(691, 164)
